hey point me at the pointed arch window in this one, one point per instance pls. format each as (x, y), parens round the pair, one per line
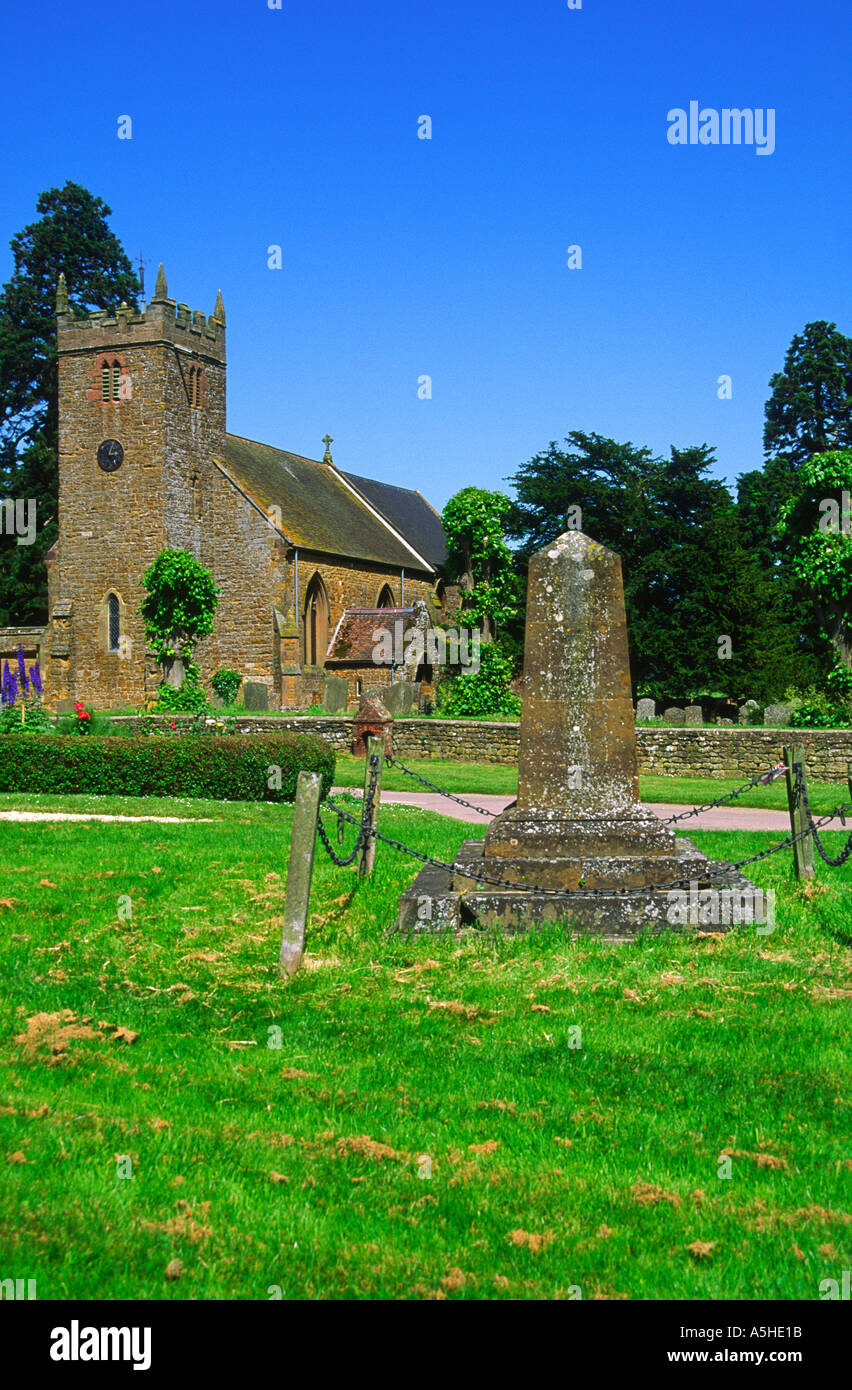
(386, 598)
(316, 623)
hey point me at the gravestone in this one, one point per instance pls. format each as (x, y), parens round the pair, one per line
(64, 706)
(577, 835)
(335, 694)
(746, 711)
(400, 697)
(693, 717)
(675, 716)
(646, 709)
(255, 695)
(778, 716)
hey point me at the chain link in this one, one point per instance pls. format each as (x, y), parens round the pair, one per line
(802, 794)
(465, 871)
(365, 826)
(451, 796)
(770, 775)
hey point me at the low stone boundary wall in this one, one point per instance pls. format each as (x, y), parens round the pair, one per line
(666, 752)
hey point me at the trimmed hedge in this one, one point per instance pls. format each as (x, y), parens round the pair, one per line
(236, 768)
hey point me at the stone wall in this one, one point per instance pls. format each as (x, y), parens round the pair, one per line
(662, 752)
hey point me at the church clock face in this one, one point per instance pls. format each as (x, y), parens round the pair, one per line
(110, 455)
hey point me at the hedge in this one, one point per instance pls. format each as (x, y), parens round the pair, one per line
(236, 768)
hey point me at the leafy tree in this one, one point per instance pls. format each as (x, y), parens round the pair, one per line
(479, 558)
(688, 581)
(71, 235)
(178, 610)
(815, 527)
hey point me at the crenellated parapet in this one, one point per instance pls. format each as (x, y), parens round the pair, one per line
(163, 319)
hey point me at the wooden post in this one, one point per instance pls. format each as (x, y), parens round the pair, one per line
(803, 850)
(367, 857)
(298, 890)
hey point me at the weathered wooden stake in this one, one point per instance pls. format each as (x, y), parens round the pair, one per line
(367, 857)
(298, 890)
(803, 850)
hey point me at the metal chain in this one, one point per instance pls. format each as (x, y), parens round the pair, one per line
(466, 872)
(802, 792)
(770, 775)
(424, 781)
(365, 827)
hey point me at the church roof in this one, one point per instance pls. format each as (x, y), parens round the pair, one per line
(410, 513)
(320, 508)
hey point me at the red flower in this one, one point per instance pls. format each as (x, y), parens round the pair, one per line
(85, 715)
(171, 723)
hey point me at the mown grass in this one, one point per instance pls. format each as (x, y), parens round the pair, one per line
(297, 1167)
(502, 780)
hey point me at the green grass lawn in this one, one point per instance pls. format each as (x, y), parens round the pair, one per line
(500, 779)
(304, 1167)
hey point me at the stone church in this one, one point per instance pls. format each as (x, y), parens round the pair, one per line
(309, 560)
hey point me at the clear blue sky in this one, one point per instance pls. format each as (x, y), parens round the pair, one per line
(404, 257)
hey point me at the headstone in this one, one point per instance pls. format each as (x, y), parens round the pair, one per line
(255, 695)
(64, 706)
(778, 716)
(693, 717)
(747, 711)
(646, 709)
(725, 723)
(674, 715)
(373, 720)
(399, 697)
(335, 694)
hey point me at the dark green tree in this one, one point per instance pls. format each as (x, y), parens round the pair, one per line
(70, 235)
(810, 408)
(688, 581)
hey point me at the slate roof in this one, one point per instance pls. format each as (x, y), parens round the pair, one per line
(410, 513)
(353, 636)
(320, 510)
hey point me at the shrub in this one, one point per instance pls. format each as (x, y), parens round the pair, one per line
(486, 693)
(817, 710)
(188, 698)
(226, 685)
(224, 769)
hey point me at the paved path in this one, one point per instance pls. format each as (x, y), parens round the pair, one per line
(722, 818)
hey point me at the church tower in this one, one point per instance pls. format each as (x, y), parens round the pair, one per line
(141, 418)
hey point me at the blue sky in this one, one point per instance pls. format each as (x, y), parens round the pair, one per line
(404, 257)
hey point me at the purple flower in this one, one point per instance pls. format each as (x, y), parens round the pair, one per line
(35, 677)
(22, 671)
(9, 688)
